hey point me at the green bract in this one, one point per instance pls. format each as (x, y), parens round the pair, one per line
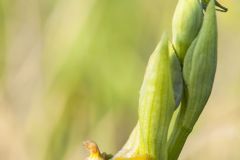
(156, 104)
(201, 62)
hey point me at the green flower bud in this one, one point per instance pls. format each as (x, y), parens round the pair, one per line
(187, 21)
(200, 67)
(131, 147)
(156, 104)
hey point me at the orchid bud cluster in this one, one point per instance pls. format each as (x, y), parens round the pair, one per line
(180, 74)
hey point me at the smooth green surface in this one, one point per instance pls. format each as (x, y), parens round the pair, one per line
(156, 103)
(186, 24)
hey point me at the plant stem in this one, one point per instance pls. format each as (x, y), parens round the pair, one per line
(177, 142)
(179, 134)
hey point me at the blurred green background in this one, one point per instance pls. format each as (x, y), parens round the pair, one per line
(71, 70)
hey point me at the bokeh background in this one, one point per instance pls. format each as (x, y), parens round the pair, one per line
(71, 70)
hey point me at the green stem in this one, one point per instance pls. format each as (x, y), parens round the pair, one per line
(177, 142)
(179, 134)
